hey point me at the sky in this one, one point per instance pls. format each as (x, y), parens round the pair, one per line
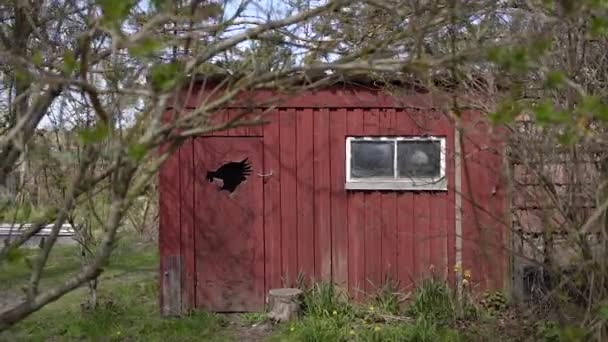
(255, 9)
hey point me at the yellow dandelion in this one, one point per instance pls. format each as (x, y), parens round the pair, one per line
(371, 308)
(292, 329)
(352, 332)
(377, 328)
(335, 312)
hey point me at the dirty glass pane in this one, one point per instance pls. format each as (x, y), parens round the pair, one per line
(372, 159)
(418, 159)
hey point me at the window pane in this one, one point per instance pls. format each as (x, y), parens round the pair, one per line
(372, 159)
(417, 159)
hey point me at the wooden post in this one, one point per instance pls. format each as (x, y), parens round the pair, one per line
(285, 304)
(171, 301)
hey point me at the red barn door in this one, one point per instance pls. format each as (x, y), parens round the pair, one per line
(228, 215)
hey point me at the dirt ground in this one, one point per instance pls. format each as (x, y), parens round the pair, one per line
(243, 331)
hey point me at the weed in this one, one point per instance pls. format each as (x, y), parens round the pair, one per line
(323, 300)
(253, 318)
(434, 300)
(300, 281)
(423, 330)
(494, 302)
(551, 331)
(316, 329)
(330, 317)
(388, 299)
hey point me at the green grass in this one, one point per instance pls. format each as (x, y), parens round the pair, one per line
(127, 258)
(128, 309)
(434, 300)
(324, 300)
(15, 273)
(388, 297)
(125, 311)
(328, 316)
(127, 303)
(253, 318)
(10, 213)
(320, 330)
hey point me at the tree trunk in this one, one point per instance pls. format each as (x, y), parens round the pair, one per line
(285, 304)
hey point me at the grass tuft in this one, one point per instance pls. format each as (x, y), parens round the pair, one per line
(434, 300)
(388, 299)
(328, 316)
(253, 318)
(324, 300)
(341, 329)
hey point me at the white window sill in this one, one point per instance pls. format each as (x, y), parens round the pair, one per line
(419, 185)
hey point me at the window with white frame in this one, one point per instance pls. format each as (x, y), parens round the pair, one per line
(395, 163)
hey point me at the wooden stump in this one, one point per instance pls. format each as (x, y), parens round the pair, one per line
(284, 304)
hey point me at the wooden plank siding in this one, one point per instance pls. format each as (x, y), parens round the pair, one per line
(389, 243)
(406, 230)
(339, 199)
(322, 195)
(273, 235)
(170, 236)
(316, 230)
(229, 229)
(484, 224)
(289, 188)
(186, 206)
(305, 185)
(374, 218)
(355, 218)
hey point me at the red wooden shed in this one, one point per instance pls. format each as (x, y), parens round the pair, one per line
(345, 183)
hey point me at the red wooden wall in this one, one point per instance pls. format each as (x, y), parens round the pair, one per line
(486, 221)
(357, 239)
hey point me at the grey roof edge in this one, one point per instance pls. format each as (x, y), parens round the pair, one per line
(439, 82)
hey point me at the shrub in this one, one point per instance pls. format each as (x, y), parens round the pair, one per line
(494, 302)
